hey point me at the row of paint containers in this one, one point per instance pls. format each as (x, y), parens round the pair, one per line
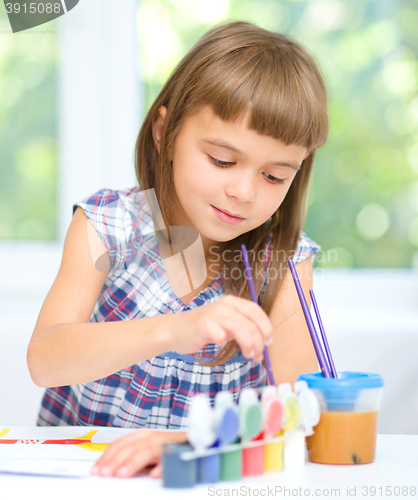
(229, 441)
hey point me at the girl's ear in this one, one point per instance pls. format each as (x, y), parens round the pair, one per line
(157, 126)
(306, 155)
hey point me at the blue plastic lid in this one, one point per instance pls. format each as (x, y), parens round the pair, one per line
(345, 380)
(229, 426)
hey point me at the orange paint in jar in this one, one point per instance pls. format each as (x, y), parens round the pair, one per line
(344, 438)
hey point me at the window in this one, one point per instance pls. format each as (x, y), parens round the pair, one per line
(364, 204)
(28, 132)
(69, 116)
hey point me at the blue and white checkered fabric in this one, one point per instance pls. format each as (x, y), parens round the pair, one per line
(155, 393)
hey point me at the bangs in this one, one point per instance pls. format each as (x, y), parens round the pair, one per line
(278, 89)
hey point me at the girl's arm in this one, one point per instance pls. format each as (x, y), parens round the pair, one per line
(292, 351)
(66, 349)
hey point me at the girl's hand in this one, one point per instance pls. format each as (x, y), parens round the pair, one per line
(130, 454)
(229, 318)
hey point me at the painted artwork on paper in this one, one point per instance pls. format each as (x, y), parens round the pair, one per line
(82, 442)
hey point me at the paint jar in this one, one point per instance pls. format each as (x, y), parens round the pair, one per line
(231, 465)
(209, 468)
(251, 424)
(227, 424)
(273, 421)
(347, 430)
(178, 473)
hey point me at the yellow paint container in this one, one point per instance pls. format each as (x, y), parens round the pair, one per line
(273, 456)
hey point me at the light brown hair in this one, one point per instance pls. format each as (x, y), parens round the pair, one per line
(235, 68)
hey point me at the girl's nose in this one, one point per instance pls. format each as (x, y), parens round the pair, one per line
(243, 189)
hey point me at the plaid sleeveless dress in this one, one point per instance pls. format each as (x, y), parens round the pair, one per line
(155, 393)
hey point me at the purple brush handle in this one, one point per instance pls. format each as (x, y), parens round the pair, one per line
(268, 365)
(254, 299)
(324, 337)
(314, 336)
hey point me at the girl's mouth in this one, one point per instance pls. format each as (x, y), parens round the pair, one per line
(231, 219)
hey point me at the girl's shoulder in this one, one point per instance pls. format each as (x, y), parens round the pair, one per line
(115, 201)
(119, 217)
(305, 248)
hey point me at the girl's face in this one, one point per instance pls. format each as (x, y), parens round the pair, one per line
(222, 166)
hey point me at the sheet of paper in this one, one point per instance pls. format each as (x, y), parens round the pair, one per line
(46, 467)
(54, 451)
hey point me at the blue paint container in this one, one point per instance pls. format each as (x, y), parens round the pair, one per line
(209, 468)
(227, 425)
(178, 473)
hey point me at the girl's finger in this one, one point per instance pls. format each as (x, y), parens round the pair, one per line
(119, 451)
(246, 334)
(217, 334)
(119, 444)
(139, 459)
(113, 463)
(107, 457)
(157, 471)
(255, 314)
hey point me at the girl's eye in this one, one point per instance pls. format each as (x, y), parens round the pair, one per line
(273, 180)
(220, 163)
(224, 164)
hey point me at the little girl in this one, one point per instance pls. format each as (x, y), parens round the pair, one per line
(151, 303)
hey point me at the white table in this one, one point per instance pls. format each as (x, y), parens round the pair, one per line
(396, 465)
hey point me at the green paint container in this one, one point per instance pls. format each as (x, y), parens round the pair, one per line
(231, 465)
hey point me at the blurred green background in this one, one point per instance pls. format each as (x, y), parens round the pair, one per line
(28, 132)
(364, 201)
